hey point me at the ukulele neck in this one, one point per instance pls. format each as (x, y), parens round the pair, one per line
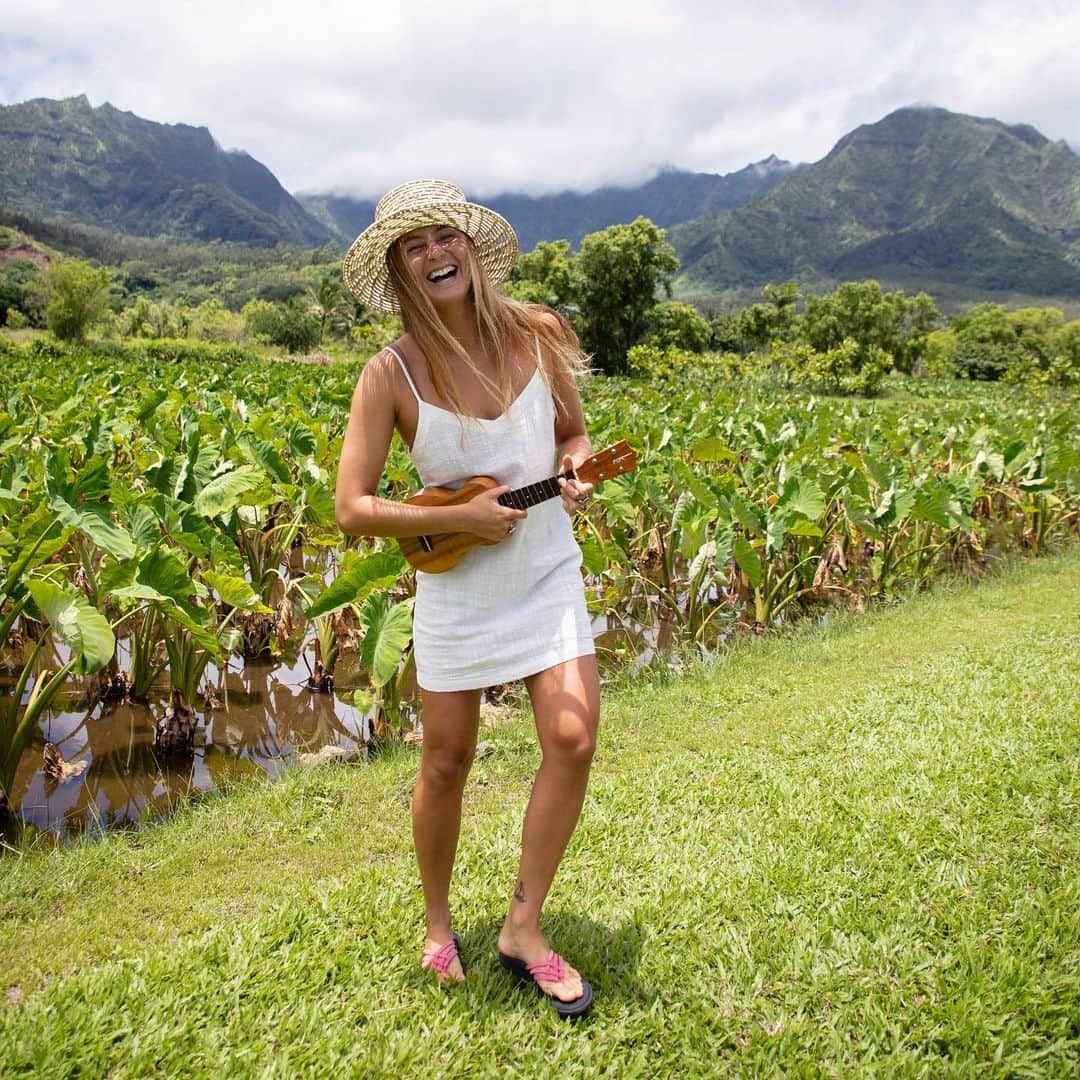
(532, 494)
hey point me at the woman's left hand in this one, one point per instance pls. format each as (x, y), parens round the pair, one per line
(575, 493)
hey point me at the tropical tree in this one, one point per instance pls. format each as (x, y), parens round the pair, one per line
(77, 297)
(617, 275)
(327, 301)
(543, 275)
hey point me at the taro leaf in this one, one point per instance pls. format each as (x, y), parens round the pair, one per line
(722, 541)
(320, 501)
(877, 470)
(939, 505)
(359, 576)
(592, 557)
(746, 558)
(76, 623)
(93, 520)
(150, 404)
(235, 591)
(694, 529)
(1013, 453)
(30, 549)
(145, 527)
(224, 493)
(803, 497)
(301, 440)
(616, 500)
(746, 515)
(682, 507)
(702, 561)
(387, 633)
(1037, 483)
(598, 556)
(802, 527)
(159, 575)
(202, 468)
(364, 700)
(712, 449)
(994, 463)
(265, 454)
(775, 532)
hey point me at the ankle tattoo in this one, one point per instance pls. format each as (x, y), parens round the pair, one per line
(519, 892)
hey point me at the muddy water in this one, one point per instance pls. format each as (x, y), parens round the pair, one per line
(267, 717)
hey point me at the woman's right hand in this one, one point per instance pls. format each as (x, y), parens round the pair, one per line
(487, 517)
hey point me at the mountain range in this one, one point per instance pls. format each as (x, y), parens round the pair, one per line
(112, 169)
(922, 197)
(668, 198)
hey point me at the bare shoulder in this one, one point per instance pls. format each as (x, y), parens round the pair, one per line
(554, 323)
(379, 377)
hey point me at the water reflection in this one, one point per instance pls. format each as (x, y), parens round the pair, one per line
(267, 716)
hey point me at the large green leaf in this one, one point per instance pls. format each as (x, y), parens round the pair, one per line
(803, 497)
(235, 591)
(158, 575)
(76, 623)
(387, 633)
(360, 575)
(747, 560)
(712, 449)
(938, 504)
(265, 454)
(226, 492)
(90, 518)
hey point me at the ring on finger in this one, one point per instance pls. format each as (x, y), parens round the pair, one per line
(510, 528)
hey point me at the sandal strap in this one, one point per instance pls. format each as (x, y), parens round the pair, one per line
(440, 958)
(553, 969)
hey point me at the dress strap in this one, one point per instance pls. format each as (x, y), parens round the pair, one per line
(404, 370)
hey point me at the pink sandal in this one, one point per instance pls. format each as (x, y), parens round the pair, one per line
(553, 969)
(438, 958)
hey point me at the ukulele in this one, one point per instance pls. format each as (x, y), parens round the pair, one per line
(439, 552)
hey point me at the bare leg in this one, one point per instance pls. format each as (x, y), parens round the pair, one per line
(450, 725)
(566, 705)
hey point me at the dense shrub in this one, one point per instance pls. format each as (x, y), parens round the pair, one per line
(845, 369)
(679, 326)
(296, 329)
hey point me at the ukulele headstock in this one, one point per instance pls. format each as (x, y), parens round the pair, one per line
(610, 462)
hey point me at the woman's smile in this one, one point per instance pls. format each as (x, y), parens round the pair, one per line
(435, 255)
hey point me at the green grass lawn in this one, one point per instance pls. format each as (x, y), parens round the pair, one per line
(854, 850)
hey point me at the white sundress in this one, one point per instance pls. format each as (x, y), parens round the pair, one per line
(515, 608)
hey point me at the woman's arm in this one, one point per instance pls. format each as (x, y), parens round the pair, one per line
(360, 511)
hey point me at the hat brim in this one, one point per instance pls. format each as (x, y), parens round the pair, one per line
(365, 269)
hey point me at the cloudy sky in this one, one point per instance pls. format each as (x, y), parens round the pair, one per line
(544, 95)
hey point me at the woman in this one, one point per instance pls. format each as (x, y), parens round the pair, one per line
(479, 384)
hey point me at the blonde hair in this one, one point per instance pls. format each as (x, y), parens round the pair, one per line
(505, 326)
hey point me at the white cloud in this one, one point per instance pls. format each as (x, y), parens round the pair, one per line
(545, 95)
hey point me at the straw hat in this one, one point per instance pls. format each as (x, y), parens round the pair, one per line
(416, 205)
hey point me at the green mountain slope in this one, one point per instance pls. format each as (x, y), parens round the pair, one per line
(112, 169)
(922, 195)
(668, 198)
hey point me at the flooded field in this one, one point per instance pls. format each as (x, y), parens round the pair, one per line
(265, 718)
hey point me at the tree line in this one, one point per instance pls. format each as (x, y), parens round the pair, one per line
(616, 291)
